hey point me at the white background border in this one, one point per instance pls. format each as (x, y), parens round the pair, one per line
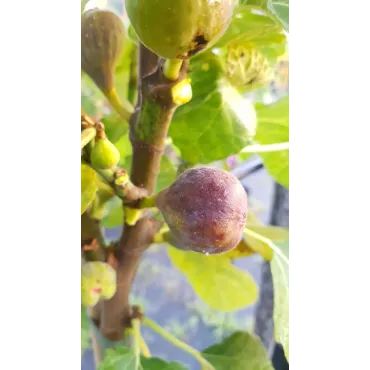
(329, 185)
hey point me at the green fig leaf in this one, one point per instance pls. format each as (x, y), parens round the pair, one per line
(114, 216)
(122, 358)
(280, 278)
(115, 127)
(273, 127)
(85, 335)
(88, 186)
(274, 233)
(258, 29)
(257, 244)
(123, 70)
(217, 122)
(278, 9)
(250, 245)
(167, 174)
(220, 284)
(92, 99)
(125, 149)
(240, 351)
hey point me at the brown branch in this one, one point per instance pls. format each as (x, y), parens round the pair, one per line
(148, 130)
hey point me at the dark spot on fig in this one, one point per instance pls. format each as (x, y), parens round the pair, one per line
(199, 43)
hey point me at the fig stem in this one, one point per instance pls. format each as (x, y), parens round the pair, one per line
(144, 348)
(177, 342)
(149, 202)
(171, 69)
(136, 337)
(87, 135)
(127, 191)
(122, 107)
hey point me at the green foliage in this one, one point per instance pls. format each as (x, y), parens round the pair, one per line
(114, 215)
(281, 9)
(273, 127)
(240, 351)
(277, 8)
(122, 358)
(260, 238)
(257, 29)
(218, 121)
(115, 128)
(167, 174)
(221, 285)
(88, 186)
(280, 277)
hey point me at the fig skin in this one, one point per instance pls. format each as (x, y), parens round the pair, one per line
(179, 29)
(98, 282)
(205, 209)
(102, 40)
(104, 154)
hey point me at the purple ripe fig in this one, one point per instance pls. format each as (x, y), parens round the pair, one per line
(205, 209)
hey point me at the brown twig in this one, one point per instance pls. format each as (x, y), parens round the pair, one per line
(148, 130)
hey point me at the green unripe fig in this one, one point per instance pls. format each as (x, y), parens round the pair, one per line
(98, 281)
(102, 41)
(108, 279)
(205, 210)
(179, 29)
(104, 155)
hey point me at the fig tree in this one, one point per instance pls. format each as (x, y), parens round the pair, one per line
(179, 29)
(205, 209)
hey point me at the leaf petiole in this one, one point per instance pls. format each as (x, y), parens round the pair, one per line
(178, 343)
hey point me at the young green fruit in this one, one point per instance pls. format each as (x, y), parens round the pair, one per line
(205, 209)
(98, 281)
(181, 28)
(104, 155)
(102, 41)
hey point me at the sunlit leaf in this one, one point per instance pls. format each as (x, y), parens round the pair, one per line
(217, 122)
(88, 186)
(273, 127)
(280, 278)
(114, 216)
(114, 127)
(255, 28)
(220, 284)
